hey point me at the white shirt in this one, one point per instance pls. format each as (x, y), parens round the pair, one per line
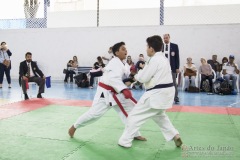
(167, 46)
(230, 69)
(3, 56)
(108, 56)
(157, 70)
(31, 71)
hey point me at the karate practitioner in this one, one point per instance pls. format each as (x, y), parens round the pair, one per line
(157, 78)
(110, 89)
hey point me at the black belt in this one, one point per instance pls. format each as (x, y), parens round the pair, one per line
(161, 86)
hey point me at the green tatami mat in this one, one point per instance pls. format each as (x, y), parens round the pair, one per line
(42, 134)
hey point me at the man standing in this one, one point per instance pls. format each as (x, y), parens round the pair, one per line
(29, 72)
(157, 77)
(172, 53)
(111, 93)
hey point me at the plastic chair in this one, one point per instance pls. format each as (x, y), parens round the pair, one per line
(214, 76)
(183, 80)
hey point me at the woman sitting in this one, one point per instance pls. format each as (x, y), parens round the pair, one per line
(70, 71)
(190, 72)
(206, 73)
(97, 70)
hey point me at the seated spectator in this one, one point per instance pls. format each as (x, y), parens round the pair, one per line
(131, 65)
(108, 56)
(97, 70)
(138, 66)
(224, 60)
(75, 62)
(230, 71)
(190, 72)
(129, 60)
(206, 73)
(215, 65)
(29, 72)
(140, 61)
(70, 71)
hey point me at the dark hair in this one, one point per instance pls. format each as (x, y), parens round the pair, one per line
(28, 53)
(155, 42)
(116, 47)
(224, 58)
(99, 59)
(3, 42)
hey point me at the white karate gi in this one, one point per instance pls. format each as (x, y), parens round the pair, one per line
(153, 103)
(113, 76)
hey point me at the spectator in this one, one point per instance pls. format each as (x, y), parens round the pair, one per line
(5, 64)
(140, 61)
(230, 71)
(75, 61)
(215, 64)
(97, 70)
(190, 72)
(206, 73)
(108, 56)
(29, 72)
(224, 60)
(70, 71)
(129, 60)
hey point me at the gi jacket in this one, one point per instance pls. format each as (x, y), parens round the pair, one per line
(157, 71)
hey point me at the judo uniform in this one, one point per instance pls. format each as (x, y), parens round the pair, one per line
(154, 102)
(113, 76)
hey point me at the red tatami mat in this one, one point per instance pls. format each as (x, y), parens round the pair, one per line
(16, 108)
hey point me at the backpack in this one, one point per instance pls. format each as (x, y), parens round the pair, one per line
(221, 86)
(206, 86)
(81, 80)
(225, 88)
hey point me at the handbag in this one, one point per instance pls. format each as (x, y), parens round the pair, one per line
(64, 71)
(189, 72)
(6, 63)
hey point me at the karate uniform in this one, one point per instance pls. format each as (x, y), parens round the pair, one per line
(153, 103)
(113, 75)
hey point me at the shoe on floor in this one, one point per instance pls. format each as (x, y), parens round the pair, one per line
(39, 95)
(26, 96)
(176, 100)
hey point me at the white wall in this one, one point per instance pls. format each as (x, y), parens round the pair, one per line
(222, 14)
(52, 48)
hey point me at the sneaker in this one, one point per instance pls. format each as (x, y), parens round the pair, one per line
(91, 87)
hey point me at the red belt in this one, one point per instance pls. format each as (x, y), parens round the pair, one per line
(115, 97)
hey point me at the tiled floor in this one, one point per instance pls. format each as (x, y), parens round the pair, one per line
(71, 91)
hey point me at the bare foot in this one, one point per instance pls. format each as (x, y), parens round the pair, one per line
(71, 131)
(140, 138)
(177, 140)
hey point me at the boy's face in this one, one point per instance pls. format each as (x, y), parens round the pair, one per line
(122, 52)
(150, 51)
